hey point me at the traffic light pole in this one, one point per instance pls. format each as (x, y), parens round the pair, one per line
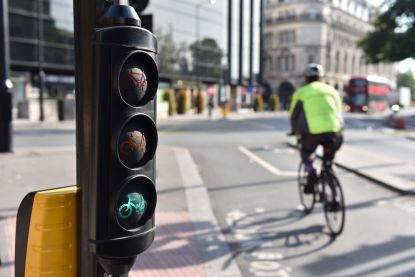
(86, 14)
(5, 95)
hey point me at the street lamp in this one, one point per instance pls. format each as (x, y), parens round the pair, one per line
(198, 6)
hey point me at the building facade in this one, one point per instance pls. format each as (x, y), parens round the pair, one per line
(299, 32)
(41, 41)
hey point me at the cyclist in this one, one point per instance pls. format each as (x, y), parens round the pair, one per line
(316, 118)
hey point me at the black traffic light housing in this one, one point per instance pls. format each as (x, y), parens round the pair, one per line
(124, 129)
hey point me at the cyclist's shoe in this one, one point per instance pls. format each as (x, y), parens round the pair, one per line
(333, 206)
(311, 181)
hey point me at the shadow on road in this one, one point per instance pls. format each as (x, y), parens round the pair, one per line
(369, 260)
(268, 232)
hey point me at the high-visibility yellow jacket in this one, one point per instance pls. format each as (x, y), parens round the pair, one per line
(316, 108)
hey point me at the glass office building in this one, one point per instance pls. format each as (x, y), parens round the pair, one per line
(42, 26)
(41, 38)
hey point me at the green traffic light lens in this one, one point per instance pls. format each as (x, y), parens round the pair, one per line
(135, 207)
(136, 203)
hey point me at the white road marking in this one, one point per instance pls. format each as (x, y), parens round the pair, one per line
(274, 170)
(381, 202)
(259, 210)
(261, 263)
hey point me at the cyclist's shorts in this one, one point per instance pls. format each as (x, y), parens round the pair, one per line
(331, 142)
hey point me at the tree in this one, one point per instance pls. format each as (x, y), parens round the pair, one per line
(172, 58)
(393, 38)
(206, 57)
(406, 80)
(183, 62)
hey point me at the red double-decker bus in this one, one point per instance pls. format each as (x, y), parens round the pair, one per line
(367, 94)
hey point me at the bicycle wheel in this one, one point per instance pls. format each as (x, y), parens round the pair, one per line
(125, 211)
(307, 200)
(334, 205)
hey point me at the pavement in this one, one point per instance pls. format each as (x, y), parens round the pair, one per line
(189, 241)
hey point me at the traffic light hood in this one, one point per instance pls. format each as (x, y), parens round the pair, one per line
(120, 15)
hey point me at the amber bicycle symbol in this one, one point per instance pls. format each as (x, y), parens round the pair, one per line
(135, 141)
(135, 201)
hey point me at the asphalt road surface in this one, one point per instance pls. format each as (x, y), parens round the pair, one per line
(250, 171)
(250, 175)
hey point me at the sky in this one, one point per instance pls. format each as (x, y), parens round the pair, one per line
(375, 2)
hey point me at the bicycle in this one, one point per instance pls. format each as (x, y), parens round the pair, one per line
(126, 209)
(332, 198)
(328, 191)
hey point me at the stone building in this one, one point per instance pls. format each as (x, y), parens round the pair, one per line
(298, 32)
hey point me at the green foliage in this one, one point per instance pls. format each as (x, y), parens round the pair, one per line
(406, 80)
(182, 103)
(274, 103)
(172, 56)
(206, 56)
(258, 103)
(169, 97)
(393, 38)
(200, 103)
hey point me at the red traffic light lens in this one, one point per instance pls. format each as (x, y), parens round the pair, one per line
(138, 79)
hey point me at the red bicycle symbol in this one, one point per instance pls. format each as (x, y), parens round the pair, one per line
(135, 78)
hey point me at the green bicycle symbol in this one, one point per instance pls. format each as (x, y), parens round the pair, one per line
(136, 201)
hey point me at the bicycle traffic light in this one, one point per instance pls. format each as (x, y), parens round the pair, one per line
(124, 194)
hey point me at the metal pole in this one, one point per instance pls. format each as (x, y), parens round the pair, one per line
(86, 14)
(241, 40)
(196, 62)
(261, 43)
(41, 53)
(229, 42)
(5, 95)
(251, 43)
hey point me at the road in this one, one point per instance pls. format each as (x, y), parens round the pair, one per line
(249, 172)
(250, 175)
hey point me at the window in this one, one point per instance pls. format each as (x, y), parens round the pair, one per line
(345, 65)
(286, 61)
(312, 14)
(353, 64)
(311, 58)
(26, 52)
(269, 63)
(54, 34)
(268, 39)
(279, 63)
(292, 63)
(23, 26)
(286, 37)
(23, 5)
(59, 56)
(328, 61)
(337, 62)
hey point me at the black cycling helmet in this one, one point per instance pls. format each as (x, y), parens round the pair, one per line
(314, 70)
